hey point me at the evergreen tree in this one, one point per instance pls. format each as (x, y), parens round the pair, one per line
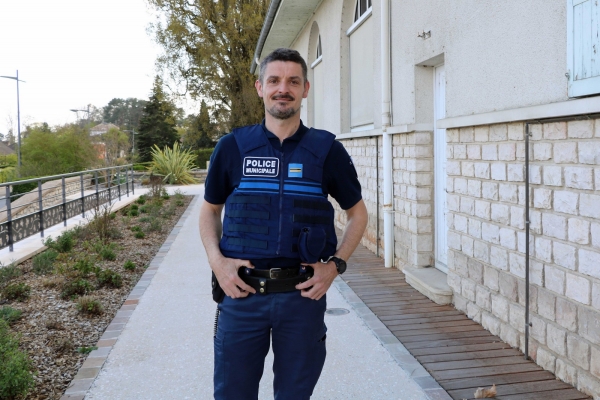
(157, 125)
(201, 132)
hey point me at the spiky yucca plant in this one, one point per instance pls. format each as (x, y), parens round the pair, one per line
(174, 164)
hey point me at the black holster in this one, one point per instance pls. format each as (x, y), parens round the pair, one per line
(217, 293)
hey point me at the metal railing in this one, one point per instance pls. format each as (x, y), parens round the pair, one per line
(58, 198)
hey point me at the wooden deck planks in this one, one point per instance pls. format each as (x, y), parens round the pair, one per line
(458, 353)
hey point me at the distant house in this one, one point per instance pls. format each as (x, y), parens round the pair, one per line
(102, 129)
(5, 149)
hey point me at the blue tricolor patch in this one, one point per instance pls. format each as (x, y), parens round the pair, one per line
(295, 171)
(261, 166)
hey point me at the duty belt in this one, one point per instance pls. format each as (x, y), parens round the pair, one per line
(275, 280)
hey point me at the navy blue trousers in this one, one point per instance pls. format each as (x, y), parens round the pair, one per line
(245, 329)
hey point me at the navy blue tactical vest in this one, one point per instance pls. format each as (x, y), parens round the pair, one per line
(279, 209)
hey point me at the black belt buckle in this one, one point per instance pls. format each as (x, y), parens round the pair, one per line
(274, 273)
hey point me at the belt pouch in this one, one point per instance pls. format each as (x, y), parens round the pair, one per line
(311, 243)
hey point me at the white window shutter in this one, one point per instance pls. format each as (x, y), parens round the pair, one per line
(362, 96)
(583, 47)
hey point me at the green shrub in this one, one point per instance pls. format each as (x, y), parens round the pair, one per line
(89, 305)
(178, 195)
(157, 202)
(77, 287)
(202, 156)
(9, 273)
(63, 243)
(164, 194)
(107, 252)
(179, 203)
(141, 199)
(102, 225)
(144, 209)
(139, 235)
(15, 367)
(145, 219)
(133, 207)
(108, 277)
(20, 189)
(135, 228)
(112, 215)
(133, 213)
(17, 291)
(86, 350)
(43, 263)
(155, 225)
(9, 314)
(85, 266)
(129, 265)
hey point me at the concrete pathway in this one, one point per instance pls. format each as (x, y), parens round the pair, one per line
(163, 337)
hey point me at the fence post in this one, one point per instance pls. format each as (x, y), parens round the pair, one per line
(9, 219)
(82, 196)
(41, 205)
(97, 195)
(119, 182)
(108, 173)
(132, 181)
(64, 200)
(127, 180)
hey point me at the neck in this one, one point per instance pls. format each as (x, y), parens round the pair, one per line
(282, 128)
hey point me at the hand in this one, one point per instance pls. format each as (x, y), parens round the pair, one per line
(323, 277)
(226, 271)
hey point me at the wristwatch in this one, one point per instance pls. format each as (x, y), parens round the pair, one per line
(340, 264)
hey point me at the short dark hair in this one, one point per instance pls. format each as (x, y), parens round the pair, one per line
(283, 54)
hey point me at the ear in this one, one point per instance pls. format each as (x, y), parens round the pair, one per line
(259, 89)
(306, 88)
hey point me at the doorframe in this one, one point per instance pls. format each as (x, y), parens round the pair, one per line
(440, 176)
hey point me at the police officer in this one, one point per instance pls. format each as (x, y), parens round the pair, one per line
(275, 253)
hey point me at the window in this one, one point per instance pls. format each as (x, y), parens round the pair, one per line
(583, 47)
(319, 51)
(361, 8)
(362, 93)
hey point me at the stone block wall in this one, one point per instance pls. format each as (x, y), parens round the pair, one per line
(412, 172)
(364, 153)
(413, 199)
(486, 239)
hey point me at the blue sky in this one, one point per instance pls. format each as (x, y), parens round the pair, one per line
(72, 53)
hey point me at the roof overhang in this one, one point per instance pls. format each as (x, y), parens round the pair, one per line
(284, 21)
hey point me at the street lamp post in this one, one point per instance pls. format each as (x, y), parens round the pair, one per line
(16, 78)
(133, 133)
(85, 111)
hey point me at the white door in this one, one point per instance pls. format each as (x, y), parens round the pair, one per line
(439, 157)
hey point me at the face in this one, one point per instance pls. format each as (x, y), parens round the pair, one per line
(283, 89)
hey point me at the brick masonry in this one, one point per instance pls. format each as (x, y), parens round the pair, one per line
(486, 238)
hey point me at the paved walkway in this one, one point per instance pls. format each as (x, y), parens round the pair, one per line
(159, 345)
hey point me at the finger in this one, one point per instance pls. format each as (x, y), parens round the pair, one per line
(244, 286)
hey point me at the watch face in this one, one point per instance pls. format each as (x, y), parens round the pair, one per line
(340, 265)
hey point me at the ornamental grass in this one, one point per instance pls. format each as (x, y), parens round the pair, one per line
(173, 164)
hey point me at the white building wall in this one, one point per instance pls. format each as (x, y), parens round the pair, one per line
(497, 56)
(515, 50)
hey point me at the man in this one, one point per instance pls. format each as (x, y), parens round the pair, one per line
(275, 254)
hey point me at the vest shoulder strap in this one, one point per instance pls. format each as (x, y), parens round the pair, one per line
(318, 142)
(249, 138)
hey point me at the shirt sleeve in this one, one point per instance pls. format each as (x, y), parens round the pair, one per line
(220, 180)
(341, 180)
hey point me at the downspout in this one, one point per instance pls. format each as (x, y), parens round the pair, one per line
(388, 205)
(527, 226)
(264, 32)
